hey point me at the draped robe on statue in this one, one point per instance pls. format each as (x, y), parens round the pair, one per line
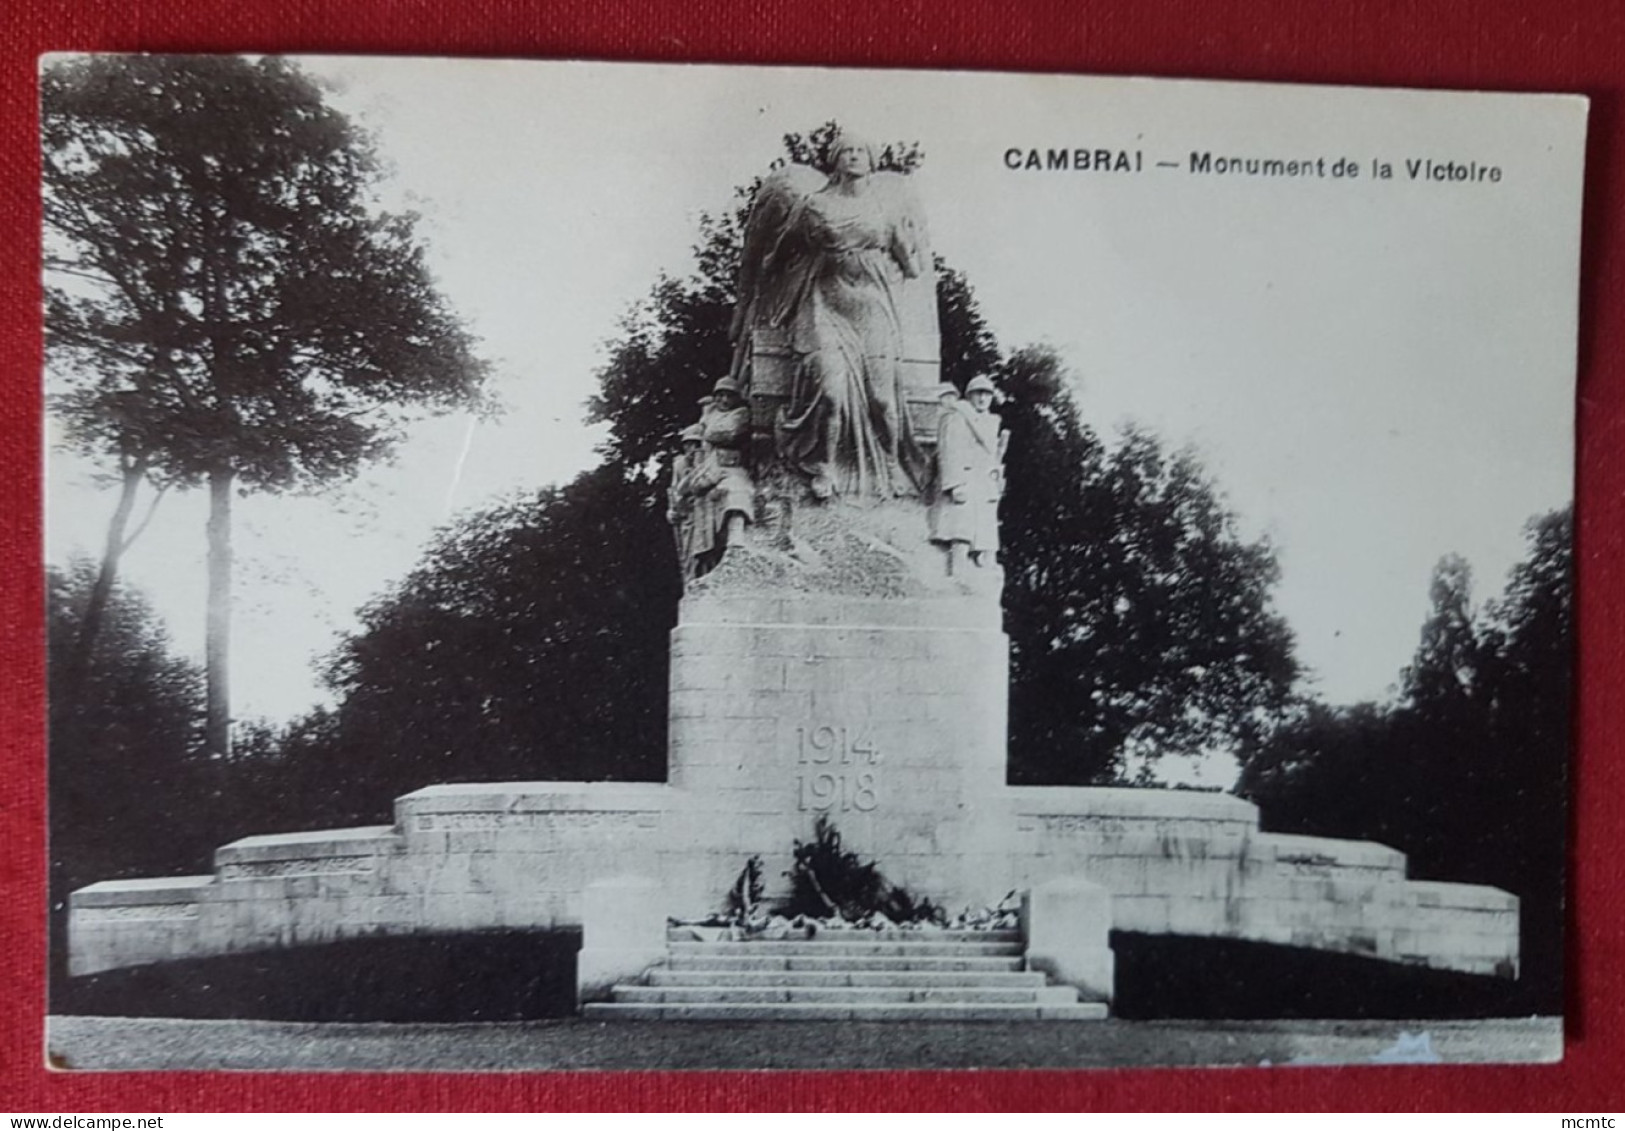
(846, 427)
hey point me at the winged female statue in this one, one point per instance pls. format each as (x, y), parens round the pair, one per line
(824, 264)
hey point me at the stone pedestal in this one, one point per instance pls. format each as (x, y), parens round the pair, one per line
(1067, 924)
(885, 715)
(623, 933)
(828, 668)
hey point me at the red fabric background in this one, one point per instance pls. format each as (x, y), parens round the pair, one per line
(1559, 45)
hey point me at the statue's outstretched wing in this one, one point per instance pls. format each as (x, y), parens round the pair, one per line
(917, 297)
(767, 267)
(911, 244)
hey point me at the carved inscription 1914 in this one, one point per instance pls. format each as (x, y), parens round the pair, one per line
(847, 786)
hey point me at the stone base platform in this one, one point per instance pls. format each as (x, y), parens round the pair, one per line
(881, 711)
(521, 855)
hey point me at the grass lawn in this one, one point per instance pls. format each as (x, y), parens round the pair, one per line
(496, 976)
(504, 1000)
(572, 1044)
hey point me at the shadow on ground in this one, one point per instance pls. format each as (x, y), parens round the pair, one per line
(476, 976)
(521, 976)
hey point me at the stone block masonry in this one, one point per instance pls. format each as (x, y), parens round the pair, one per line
(522, 855)
(885, 715)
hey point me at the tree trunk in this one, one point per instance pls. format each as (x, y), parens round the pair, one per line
(66, 701)
(217, 645)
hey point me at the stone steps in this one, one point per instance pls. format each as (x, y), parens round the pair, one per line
(934, 964)
(923, 937)
(847, 976)
(843, 949)
(747, 979)
(806, 1011)
(854, 995)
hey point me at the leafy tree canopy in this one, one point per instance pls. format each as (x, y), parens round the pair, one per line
(815, 148)
(222, 289)
(1467, 772)
(1140, 620)
(146, 700)
(530, 643)
(126, 778)
(225, 302)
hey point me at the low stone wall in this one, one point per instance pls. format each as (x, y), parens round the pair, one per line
(134, 922)
(487, 856)
(457, 858)
(471, 857)
(1188, 863)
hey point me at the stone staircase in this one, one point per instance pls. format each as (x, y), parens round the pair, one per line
(847, 976)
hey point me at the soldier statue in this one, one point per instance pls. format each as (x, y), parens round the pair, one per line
(711, 498)
(964, 515)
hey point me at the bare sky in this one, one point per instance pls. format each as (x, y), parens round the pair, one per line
(1376, 373)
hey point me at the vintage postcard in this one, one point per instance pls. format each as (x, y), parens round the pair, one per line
(561, 565)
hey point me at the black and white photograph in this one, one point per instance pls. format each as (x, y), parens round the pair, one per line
(602, 566)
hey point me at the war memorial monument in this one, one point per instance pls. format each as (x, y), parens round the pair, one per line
(838, 654)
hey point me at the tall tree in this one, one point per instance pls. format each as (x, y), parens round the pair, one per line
(1466, 772)
(139, 740)
(1443, 672)
(672, 348)
(1140, 621)
(1526, 673)
(129, 786)
(969, 348)
(226, 303)
(530, 642)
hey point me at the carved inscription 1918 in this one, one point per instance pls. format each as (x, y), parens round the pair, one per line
(846, 786)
